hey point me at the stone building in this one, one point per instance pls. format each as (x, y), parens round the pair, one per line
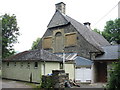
(66, 35)
(69, 44)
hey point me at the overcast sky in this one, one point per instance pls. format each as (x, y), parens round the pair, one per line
(33, 16)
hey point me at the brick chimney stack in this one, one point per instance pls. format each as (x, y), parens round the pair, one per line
(61, 7)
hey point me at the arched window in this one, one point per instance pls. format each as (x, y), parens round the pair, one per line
(58, 34)
(58, 42)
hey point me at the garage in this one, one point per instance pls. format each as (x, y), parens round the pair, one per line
(83, 72)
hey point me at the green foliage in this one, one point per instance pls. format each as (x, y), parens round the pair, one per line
(97, 31)
(112, 31)
(47, 82)
(10, 32)
(0, 40)
(35, 43)
(114, 80)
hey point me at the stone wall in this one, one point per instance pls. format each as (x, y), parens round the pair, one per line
(82, 47)
(56, 80)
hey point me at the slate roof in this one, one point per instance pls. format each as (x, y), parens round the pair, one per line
(55, 21)
(112, 52)
(93, 38)
(80, 61)
(36, 54)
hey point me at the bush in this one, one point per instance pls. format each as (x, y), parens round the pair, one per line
(114, 80)
(47, 82)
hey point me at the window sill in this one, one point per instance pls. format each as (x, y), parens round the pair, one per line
(35, 67)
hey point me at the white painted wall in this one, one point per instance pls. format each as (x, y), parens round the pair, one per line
(23, 73)
(69, 68)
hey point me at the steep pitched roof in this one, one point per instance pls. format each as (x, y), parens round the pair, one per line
(93, 38)
(55, 21)
(112, 52)
(36, 54)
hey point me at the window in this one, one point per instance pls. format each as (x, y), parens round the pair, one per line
(88, 67)
(58, 46)
(47, 42)
(15, 64)
(70, 39)
(21, 64)
(61, 65)
(58, 34)
(28, 65)
(36, 64)
(8, 64)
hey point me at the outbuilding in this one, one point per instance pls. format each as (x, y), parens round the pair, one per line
(83, 70)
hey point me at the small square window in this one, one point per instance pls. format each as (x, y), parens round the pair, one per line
(28, 65)
(8, 64)
(15, 64)
(36, 65)
(88, 67)
(21, 64)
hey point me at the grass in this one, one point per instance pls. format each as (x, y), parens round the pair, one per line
(33, 85)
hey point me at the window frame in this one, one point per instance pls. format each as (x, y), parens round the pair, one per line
(28, 65)
(68, 34)
(21, 64)
(15, 64)
(8, 64)
(35, 65)
(44, 41)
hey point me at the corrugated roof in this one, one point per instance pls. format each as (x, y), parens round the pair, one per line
(80, 61)
(112, 52)
(36, 54)
(68, 56)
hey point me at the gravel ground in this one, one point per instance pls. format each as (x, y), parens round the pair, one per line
(15, 84)
(94, 85)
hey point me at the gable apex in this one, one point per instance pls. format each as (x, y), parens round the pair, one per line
(58, 19)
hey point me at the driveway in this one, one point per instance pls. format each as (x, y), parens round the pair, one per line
(15, 84)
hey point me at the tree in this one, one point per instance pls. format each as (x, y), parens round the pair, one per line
(97, 31)
(35, 43)
(10, 32)
(112, 31)
(114, 80)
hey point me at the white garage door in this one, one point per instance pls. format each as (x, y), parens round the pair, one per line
(83, 74)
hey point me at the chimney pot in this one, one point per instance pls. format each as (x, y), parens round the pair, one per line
(61, 7)
(87, 24)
